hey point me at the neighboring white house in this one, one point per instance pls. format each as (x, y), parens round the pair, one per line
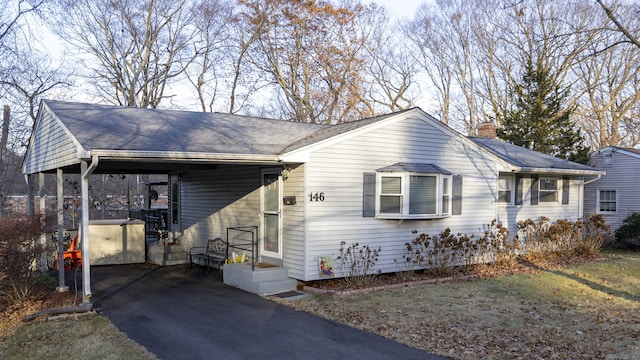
(308, 187)
(617, 194)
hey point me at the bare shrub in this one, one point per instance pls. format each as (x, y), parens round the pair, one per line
(563, 238)
(447, 254)
(19, 250)
(593, 231)
(357, 264)
(441, 255)
(501, 249)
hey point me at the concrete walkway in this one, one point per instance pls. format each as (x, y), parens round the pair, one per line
(178, 313)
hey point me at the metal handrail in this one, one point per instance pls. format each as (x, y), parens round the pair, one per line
(241, 242)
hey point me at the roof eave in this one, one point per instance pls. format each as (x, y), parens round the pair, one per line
(534, 170)
(179, 156)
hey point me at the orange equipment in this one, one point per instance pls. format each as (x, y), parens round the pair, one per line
(72, 257)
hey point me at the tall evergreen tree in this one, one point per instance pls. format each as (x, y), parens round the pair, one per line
(538, 119)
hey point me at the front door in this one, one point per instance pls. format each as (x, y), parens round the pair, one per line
(271, 210)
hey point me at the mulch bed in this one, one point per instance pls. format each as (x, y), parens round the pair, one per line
(420, 277)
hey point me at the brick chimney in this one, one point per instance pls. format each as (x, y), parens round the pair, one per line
(486, 130)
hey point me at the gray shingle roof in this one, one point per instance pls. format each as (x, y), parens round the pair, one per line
(137, 129)
(525, 158)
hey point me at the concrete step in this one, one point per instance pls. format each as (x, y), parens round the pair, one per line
(166, 255)
(261, 281)
(275, 287)
(170, 262)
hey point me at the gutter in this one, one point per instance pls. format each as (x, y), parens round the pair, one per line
(528, 170)
(181, 156)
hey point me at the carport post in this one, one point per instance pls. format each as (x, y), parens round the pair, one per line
(30, 196)
(43, 218)
(60, 206)
(86, 260)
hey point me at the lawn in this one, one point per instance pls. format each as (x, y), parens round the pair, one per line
(89, 337)
(590, 310)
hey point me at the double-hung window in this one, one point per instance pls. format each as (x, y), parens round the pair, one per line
(413, 191)
(505, 189)
(607, 201)
(391, 194)
(548, 192)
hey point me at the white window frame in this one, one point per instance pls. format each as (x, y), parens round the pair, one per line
(443, 196)
(510, 179)
(598, 193)
(607, 159)
(557, 191)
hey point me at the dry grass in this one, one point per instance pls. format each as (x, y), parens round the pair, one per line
(87, 337)
(92, 337)
(583, 311)
(588, 310)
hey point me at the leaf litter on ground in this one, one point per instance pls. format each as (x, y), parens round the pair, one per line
(586, 310)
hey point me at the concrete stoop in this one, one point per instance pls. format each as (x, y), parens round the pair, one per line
(165, 255)
(261, 281)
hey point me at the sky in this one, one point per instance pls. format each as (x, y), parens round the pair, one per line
(400, 8)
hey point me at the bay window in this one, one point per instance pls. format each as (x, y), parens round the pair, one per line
(413, 191)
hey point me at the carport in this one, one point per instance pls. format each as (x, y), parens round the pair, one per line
(91, 139)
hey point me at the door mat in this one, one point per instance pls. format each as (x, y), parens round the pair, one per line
(263, 265)
(290, 294)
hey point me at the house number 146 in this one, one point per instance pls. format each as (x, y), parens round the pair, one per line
(319, 196)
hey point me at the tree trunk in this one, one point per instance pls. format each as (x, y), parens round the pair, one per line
(5, 135)
(3, 151)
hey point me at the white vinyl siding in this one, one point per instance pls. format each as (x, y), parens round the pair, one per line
(214, 200)
(51, 147)
(338, 172)
(293, 223)
(570, 211)
(622, 175)
(229, 196)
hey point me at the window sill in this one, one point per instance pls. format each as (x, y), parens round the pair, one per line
(410, 217)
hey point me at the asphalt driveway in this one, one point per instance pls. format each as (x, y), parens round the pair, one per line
(178, 313)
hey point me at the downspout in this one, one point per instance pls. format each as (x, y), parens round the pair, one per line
(86, 261)
(581, 199)
(592, 180)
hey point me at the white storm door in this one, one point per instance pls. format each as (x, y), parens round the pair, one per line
(271, 210)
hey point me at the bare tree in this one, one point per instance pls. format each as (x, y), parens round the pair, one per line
(431, 49)
(134, 49)
(610, 107)
(313, 53)
(443, 36)
(25, 76)
(211, 18)
(623, 24)
(475, 51)
(391, 68)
